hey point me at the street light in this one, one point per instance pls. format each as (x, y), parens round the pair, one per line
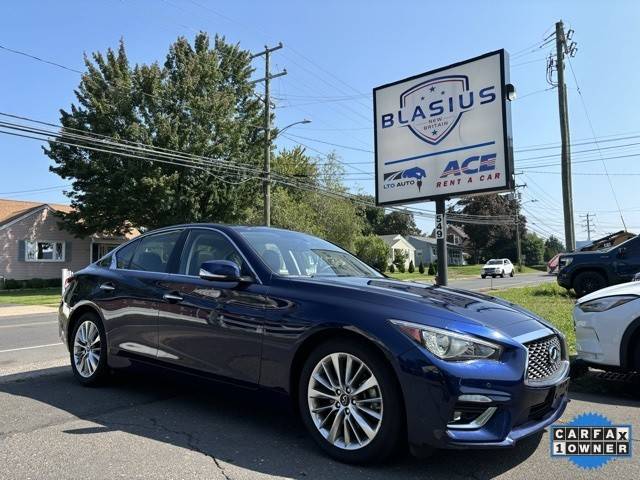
(300, 122)
(267, 167)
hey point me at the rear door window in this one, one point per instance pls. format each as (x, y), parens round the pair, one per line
(125, 254)
(154, 251)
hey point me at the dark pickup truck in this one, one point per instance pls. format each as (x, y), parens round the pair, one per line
(587, 272)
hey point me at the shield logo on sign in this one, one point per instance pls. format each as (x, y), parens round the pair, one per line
(433, 108)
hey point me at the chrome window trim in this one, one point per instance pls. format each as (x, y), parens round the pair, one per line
(180, 229)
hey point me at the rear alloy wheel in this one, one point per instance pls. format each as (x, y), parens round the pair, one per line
(88, 352)
(502, 274)
(350, 402)
(587, 282)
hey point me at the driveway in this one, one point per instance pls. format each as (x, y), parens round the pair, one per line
(156, 427)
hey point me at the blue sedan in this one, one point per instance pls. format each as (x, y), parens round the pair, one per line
(371, 363)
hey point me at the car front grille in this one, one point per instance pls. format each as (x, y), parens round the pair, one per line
(542, 360)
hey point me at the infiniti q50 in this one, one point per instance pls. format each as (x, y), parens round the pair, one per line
(371, 363)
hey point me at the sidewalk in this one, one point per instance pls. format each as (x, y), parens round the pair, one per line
(13, 310)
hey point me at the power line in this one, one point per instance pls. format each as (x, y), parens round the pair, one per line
(593, 132)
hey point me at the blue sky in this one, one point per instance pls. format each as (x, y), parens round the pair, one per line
(335, 53)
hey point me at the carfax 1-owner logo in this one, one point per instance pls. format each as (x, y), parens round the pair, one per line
(590, 441)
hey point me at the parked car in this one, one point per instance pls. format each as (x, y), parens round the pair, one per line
(369, 362)
(497, 267)
(587, 272)
(607, 324)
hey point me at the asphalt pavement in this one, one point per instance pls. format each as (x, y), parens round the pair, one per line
(158, 426)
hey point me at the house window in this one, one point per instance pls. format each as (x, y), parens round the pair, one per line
(39, 251)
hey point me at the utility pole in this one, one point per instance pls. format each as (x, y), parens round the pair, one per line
(516, 199)
(567, 193)
(588, 226)
(267, 127)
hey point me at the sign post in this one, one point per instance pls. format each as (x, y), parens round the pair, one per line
(441, 240)
(443, 134)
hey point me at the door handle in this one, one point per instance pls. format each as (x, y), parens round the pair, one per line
(172, 297)
(107, 286)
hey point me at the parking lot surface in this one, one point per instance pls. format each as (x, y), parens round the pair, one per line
(158, 426)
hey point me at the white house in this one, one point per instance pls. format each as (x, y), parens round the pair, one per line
(397, 243)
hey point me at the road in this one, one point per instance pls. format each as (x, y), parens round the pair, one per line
(485, 284)
(153, 426)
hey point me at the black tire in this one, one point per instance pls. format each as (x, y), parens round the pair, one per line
(391, 433)
(483, 276)
(512, 273)
(493, 276)
(101, 372)
(502, 274)
(587, 282)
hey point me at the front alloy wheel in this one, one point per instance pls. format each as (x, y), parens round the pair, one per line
(88, 352)
(350, 401)
(345, 401)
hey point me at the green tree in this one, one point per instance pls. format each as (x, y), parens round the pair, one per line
(372, 250)
(421, 267)
(392, 269)
(532, 249)
(552, 246)
(399, 259)
(490, 240)
(431, 270)
(331, 217)
(412, 268)
(399, 223)
(199, 101)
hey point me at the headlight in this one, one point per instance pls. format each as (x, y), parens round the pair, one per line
(565, 261)
(449, 345)
(605, 303)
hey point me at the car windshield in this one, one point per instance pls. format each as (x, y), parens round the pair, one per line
(300, 255)
(494, 262)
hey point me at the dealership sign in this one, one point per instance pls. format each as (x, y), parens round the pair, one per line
(444, 133)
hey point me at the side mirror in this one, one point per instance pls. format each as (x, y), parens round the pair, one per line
(220, 271)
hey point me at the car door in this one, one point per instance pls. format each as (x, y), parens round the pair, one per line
(209, 326)
(130, 291)
(627, 260)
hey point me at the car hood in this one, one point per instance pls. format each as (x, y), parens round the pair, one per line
(630, 288)
(448, 304)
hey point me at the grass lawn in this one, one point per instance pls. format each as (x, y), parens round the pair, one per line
(455, 271)
(49, 297)
(550, 301)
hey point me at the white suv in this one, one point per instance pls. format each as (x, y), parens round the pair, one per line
(607, 324)
(495, 267)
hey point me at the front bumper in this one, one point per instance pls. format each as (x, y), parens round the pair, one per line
(432, 395)
(564, 279)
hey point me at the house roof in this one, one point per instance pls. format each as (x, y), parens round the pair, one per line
(391, 240)
(430, 241)
(13, 209)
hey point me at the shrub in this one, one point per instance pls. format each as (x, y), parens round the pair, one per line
(431, 270)
(401, 268)
(372, 250)
(421, 267)
(391, 268)
(11, 284)
(412, 268)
